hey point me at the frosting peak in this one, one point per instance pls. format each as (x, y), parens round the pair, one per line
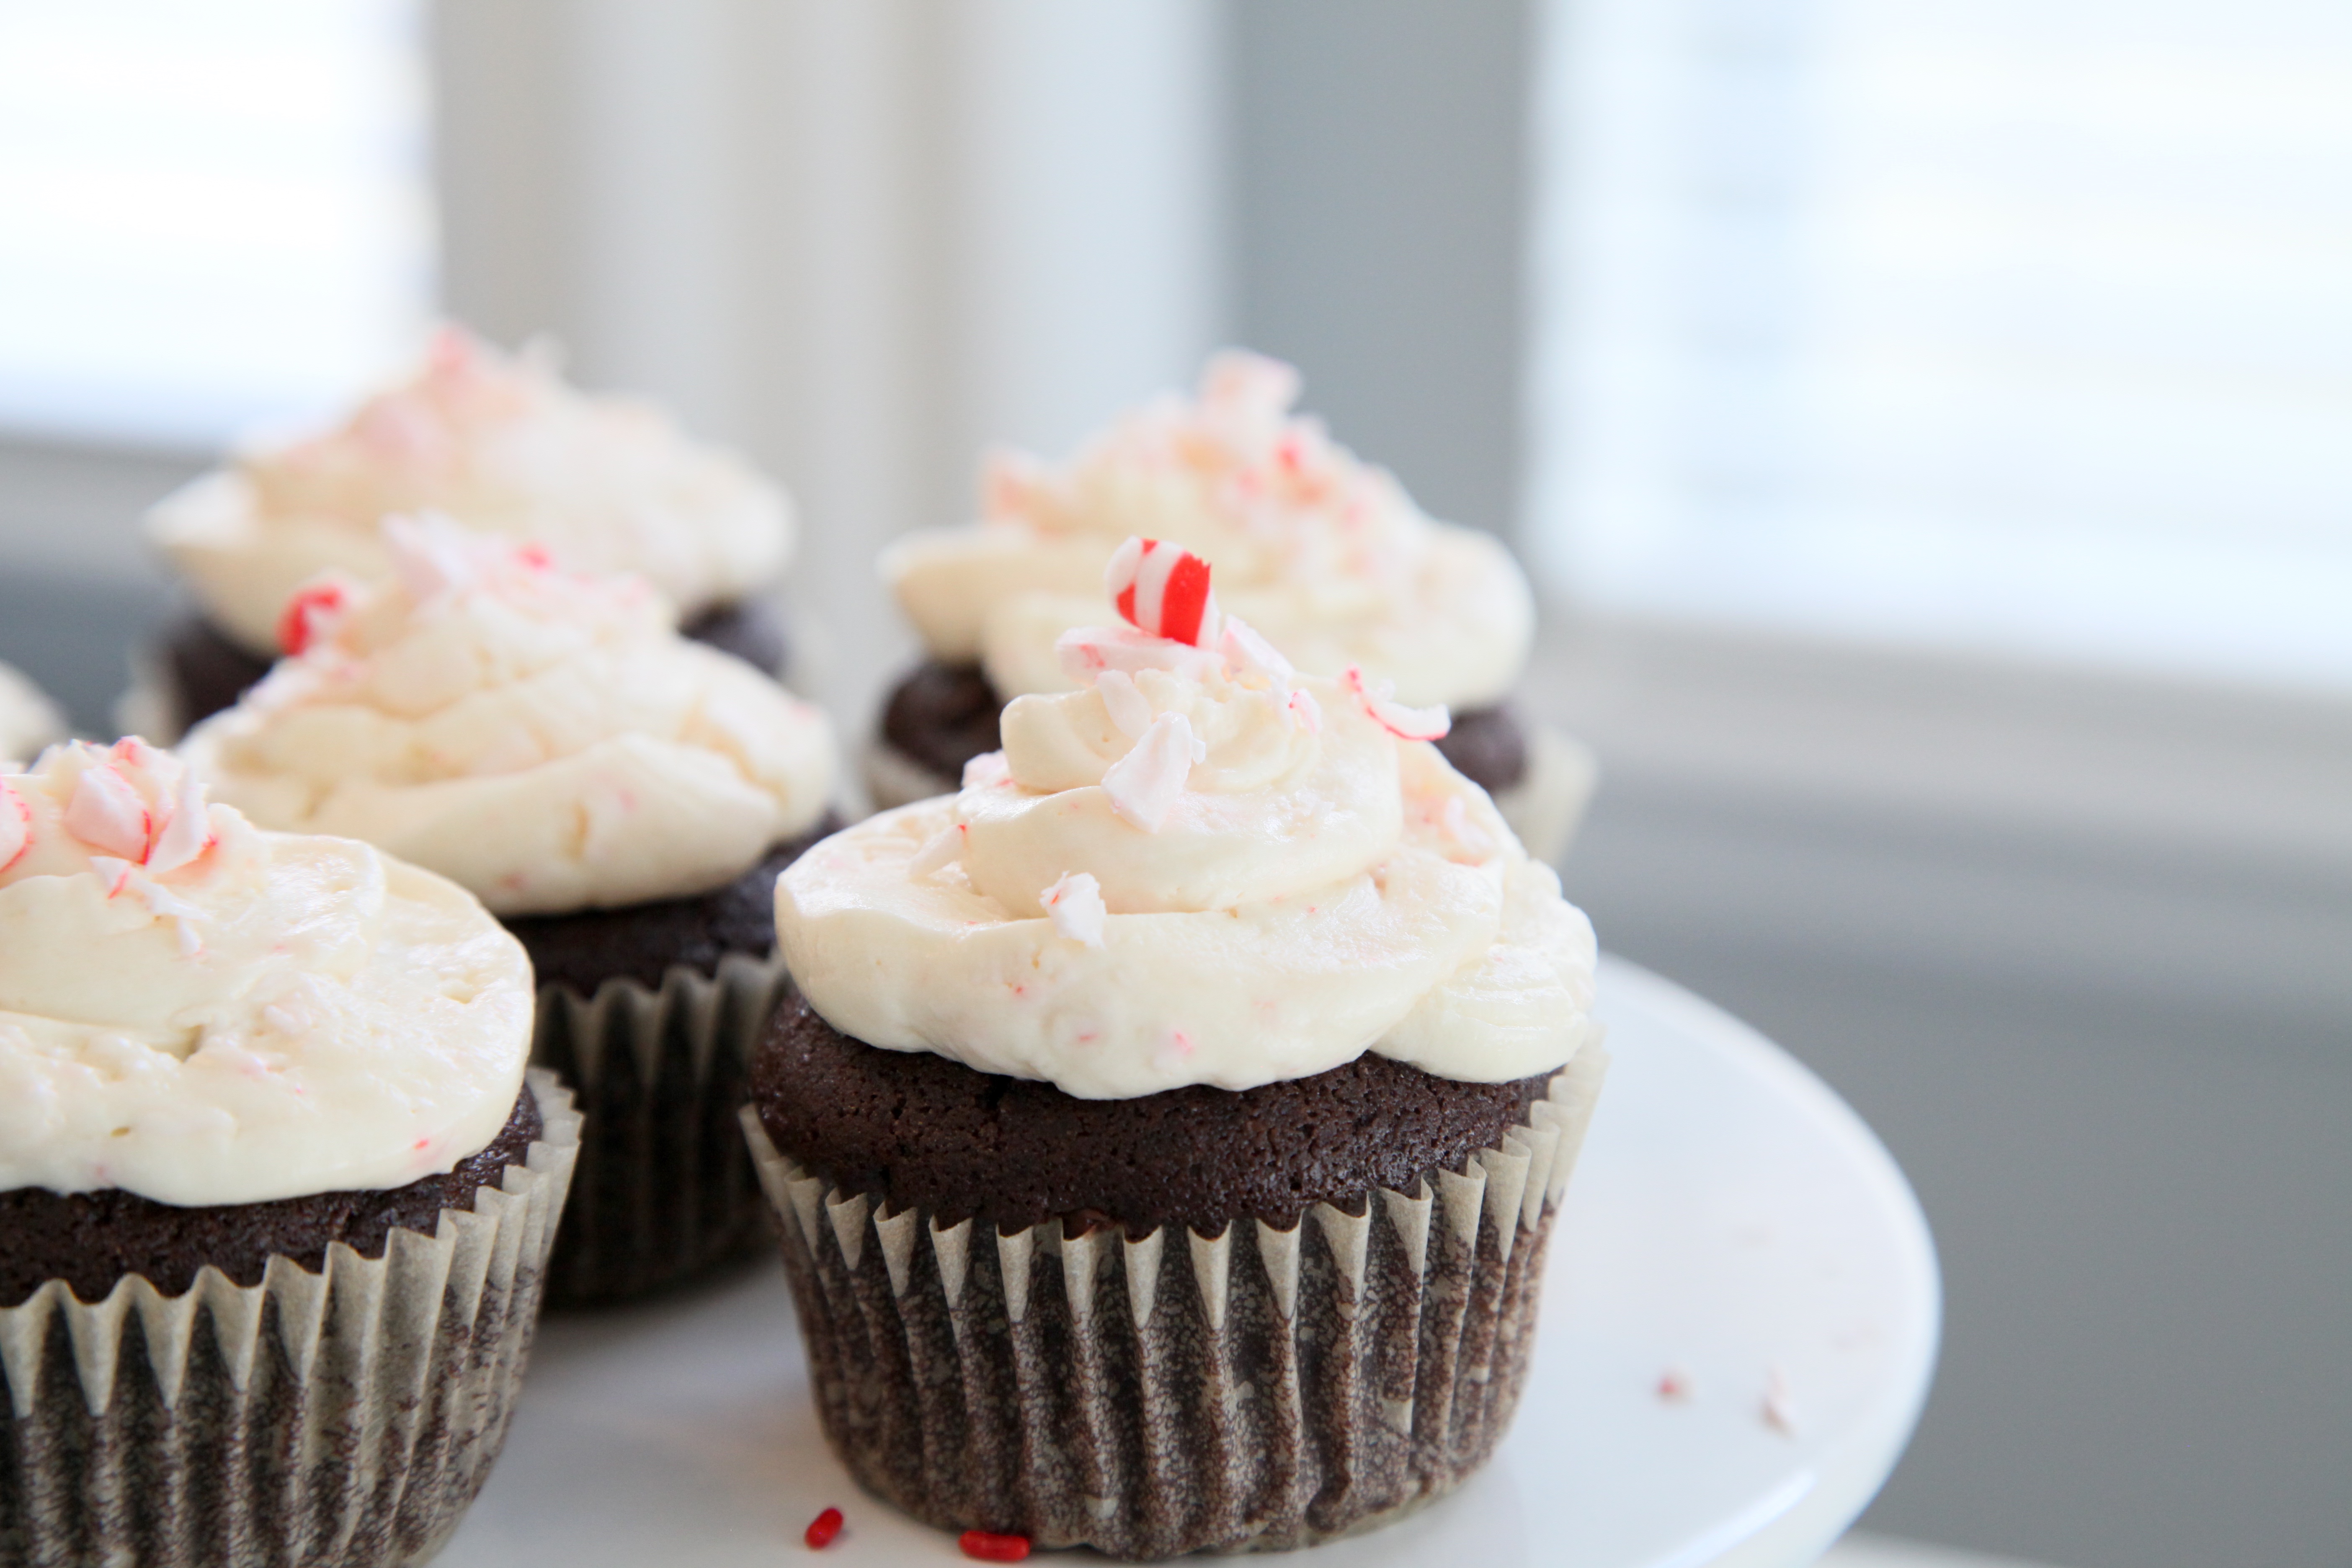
(539, 735)
(506, 448)
(203, 1012)
(1201, 867)
(1322, 552)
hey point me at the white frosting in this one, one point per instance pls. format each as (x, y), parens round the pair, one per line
(28, 721)
(1323, 554)
(1199, 869)
(543, 738)
(606, 484)
(199, 1012)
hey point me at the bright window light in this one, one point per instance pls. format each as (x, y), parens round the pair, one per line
(2012, 324)
(211, 211)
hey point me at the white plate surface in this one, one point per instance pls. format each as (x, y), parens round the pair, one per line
(1732, 1224)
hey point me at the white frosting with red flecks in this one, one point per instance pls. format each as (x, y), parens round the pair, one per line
(541, 736)
(28, 721)
(1199, 868)
(1323, 553)
(500, 444)
(199, 1012)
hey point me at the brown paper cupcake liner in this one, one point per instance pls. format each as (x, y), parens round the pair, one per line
(1147, 1396)
(346, 1416)
(665, 1191)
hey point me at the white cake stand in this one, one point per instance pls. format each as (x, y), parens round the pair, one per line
(1739, 1325)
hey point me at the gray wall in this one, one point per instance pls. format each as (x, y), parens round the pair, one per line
(1379, 182)
(77, 586)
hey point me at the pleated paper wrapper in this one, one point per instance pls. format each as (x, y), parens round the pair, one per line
(347, 1416)
(665, 1191)
(1259, 1390)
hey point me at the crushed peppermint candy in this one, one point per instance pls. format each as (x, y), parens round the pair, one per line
(434, 556)
(986, 770)
(1163, 589)
(939, 851)
(138, 814)
(106, 812)
(1379, 699)
(1674, 1385)
(1144, 784)
(1128, 708)
(314, 612)
(15, 826)
(1075, 904)
(1087, 651)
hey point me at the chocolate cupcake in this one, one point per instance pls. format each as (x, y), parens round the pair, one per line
(1166, 1133)
(621, 798)
(275, 1197)
(502, 446)
(28, 719)
(1325, 556)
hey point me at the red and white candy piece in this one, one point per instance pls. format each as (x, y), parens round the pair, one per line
(1145, 785)
(314, 612)
(1163, 589)
(1075, 904)
(1405, 723)
(106, 813)
(15, 826)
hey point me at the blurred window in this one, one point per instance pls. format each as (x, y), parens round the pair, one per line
(2010, 325)
(210, 210)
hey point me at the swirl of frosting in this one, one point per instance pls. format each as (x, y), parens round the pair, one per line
(1198, 868)
(543, 738)
(503, 446)
(28, 721)
(1325, 556)
(199, 1012)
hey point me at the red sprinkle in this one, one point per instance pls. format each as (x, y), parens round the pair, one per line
(988, 1548)
(822, 1528)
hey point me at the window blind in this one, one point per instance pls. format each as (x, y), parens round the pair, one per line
(209, 212)
(2021, 326)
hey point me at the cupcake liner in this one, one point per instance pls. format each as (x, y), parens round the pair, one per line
(1256, 1390)
(665, 1190)
(1546, 807)
(347, 1415)
(894, 779)
(150, 706)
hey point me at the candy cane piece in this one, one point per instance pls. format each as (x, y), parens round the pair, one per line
(1405, 723)
(1128, 708)
(432, 555)
(314, 612)
(187, 832)
(15, 826)
(1144, 784)
(1075, 905)
(940, 850)
(106, 812)
(1163, 589)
